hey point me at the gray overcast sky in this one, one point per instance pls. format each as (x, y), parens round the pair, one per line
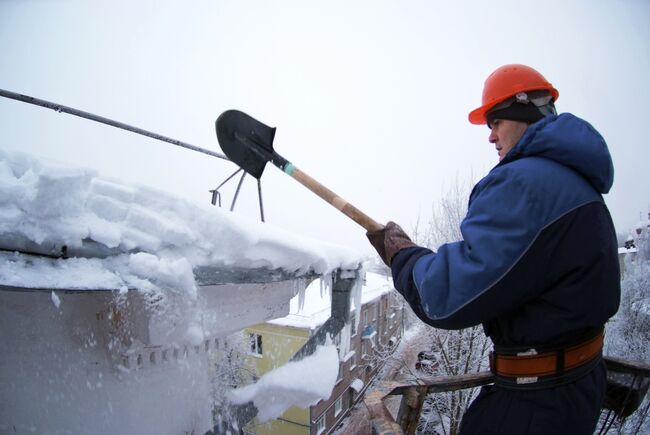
(370, 97)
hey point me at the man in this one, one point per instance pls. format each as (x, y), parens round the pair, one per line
(537, 265)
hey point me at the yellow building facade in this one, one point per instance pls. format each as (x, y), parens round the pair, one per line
(279, 344)
(375, 326)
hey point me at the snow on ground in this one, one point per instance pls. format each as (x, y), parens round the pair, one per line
(413, 331)
(278, 390)
(134, 237)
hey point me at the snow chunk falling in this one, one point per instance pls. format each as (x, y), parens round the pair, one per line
(301, 383)
(194, 335)
(55, 300)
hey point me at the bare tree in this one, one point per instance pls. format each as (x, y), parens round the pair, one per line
(229, 371)
(453, 352)
(628, 332)
(446, 216)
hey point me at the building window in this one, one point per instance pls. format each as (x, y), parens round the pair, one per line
(256, 344)
(375, 308)
(320, 424)
(365, 317)
(353, 361)
(353, 325)
(364, 347)
(338, 406)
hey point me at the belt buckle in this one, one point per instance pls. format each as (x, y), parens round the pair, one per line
(527, 379)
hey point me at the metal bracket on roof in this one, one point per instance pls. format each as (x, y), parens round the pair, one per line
(343, 283)
(216, 195)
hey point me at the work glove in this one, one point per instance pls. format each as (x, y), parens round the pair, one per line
(389, 241)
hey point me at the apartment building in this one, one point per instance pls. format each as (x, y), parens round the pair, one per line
(374, 330)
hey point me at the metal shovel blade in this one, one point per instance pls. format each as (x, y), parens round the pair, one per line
(249, 144)
(245, 140)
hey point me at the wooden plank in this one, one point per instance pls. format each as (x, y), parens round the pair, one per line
(411, 408)
(381, 420)
(627, 366)
(446, 383)
(415, 392)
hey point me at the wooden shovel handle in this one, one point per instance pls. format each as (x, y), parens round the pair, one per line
(345, 207)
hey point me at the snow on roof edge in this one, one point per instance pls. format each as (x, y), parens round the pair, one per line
(157, 238)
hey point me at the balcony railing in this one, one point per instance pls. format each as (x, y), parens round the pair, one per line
(627, 385)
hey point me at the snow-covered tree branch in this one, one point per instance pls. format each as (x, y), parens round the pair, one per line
(628, 333)
(452, 353)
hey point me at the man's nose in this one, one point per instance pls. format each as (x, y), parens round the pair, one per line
(493, 137)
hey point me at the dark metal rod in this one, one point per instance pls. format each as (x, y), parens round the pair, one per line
(101, 119)
(216, 197)
(234, 200)
(259, 193)
(227, 179)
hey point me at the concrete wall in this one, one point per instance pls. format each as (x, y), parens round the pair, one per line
(102, 362)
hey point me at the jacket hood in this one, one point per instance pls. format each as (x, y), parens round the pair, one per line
(572, 142)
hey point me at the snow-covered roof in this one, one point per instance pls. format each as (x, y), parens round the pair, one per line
(312, 308)
(374, 286)
(123, 236)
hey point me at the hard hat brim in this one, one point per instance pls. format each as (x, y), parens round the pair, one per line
(478, 116)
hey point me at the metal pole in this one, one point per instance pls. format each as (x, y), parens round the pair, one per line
(80, 113)
(61, 108)
(234, 200)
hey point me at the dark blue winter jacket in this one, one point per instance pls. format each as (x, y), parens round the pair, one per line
(538, 261)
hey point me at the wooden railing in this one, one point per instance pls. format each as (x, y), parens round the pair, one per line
(622, 399)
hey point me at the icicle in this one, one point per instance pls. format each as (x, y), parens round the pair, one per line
(345, 341)
(301, 297)
(355, 296)
(326, 285)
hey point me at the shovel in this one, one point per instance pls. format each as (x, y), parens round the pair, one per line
(249, 144)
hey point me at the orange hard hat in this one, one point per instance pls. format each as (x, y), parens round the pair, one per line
(507, 81)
